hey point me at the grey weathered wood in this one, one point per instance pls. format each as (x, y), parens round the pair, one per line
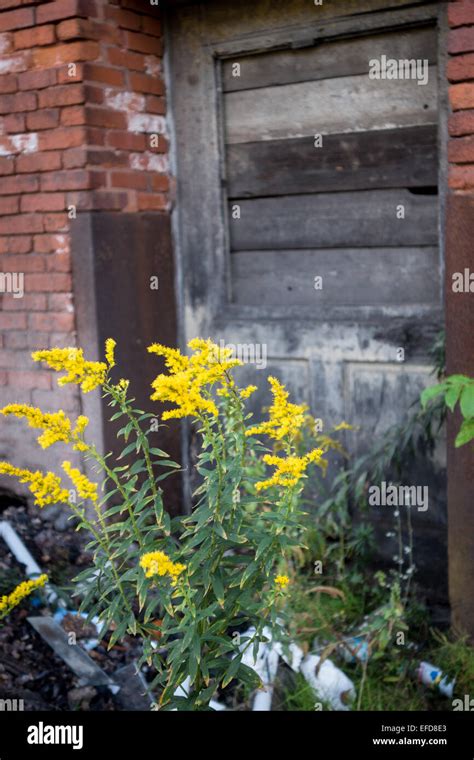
(328, 59)
(358, 160)
(367, 218)
(297, 35)
(350, 277)
(319, 342)
(247, 23)
(329, 106)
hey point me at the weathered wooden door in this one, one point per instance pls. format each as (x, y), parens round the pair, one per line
(306, 223)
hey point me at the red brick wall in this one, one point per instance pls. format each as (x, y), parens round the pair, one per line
(461, 95)
(82, 127)
(459, 305)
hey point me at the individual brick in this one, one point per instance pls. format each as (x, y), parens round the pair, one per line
(67, 53)
(45, 118)
(18, 19)
(39, 35)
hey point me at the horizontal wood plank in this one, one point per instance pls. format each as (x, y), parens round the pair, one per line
(355, 161)
(350, 277)
(248, 23)
(334, 220)
(326, 59)
(329, 106)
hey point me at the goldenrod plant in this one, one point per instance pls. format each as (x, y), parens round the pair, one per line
(186, 586)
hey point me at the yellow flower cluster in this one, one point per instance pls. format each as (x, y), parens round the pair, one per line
(246, 392)
(56, 426)
(89, 375)
(7, 603)
(282, 581)
(84, 487)
(289, 471)
(190, 377)
(283, 417)
(46, 488)
(110, 344)
(158, 563)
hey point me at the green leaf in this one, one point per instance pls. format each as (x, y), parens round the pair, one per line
(119, 633)
(463, 379)
(218, 528)
(218, 588)
(192, 667)
(252, 568)
(159, 453)
(466, 433)
(127, 450)
(431, 392)
(249, 676)
(138, 466)
(231, 671)
(196, 648)
(452, 395)
(262, 546)
(467, 401)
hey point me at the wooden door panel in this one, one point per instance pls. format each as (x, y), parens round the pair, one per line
(307, 211)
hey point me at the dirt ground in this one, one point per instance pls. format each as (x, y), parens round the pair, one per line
(29, 668)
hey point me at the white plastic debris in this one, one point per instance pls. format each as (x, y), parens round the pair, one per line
(330, 684)
(265, 665)
(431, 675)
(295, 658)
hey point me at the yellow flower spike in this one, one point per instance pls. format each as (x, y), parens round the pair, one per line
(284, 418)
(158, 563)
(84, 487)
(24, 589)
(56, 426)
(282, 581)
(289, 471)
(191, 377)
(174, 359)
(246, 392)
(89, 375)
(110, 344)
(45, 487)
